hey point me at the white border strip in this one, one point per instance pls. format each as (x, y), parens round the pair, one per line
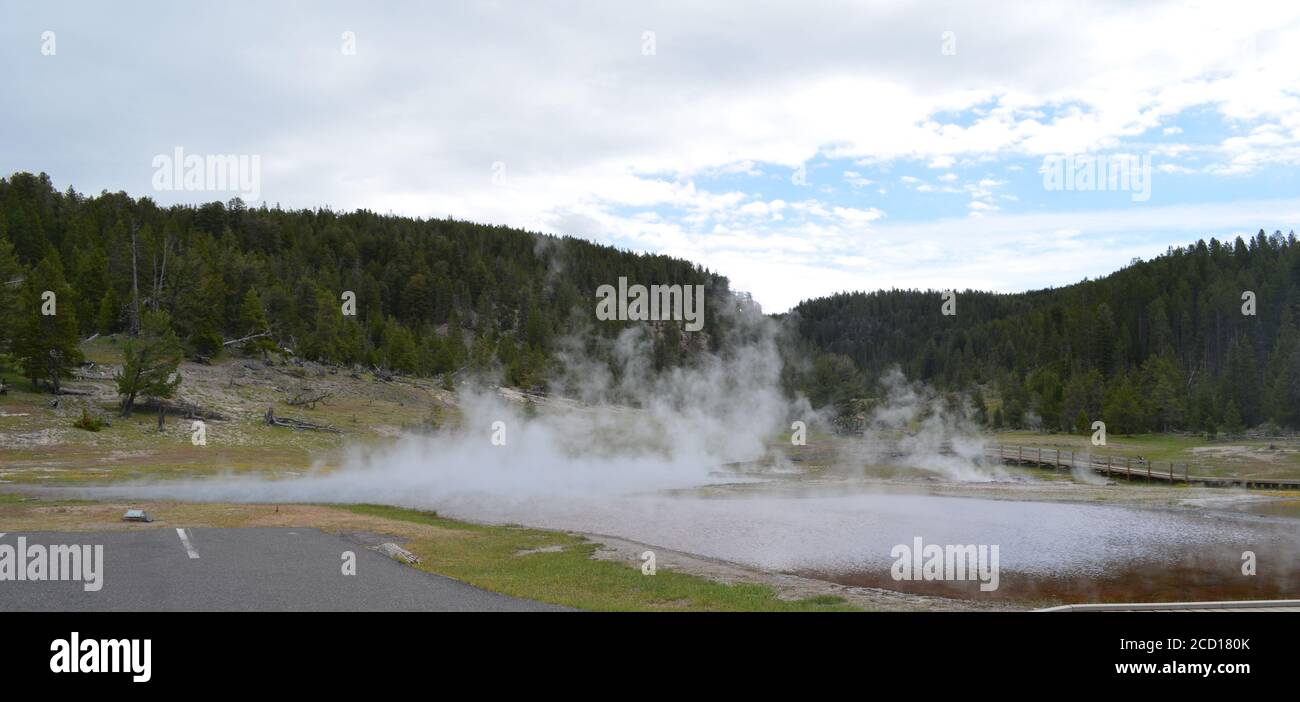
(1157, 606)
(185, 539)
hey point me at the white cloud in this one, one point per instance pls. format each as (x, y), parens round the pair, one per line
(856, 179)
(604, 142)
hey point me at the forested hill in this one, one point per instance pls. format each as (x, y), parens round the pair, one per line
(431, 296)
(1161, 344)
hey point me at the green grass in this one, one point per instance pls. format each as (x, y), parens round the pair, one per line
(1234, 457)
(1156, 447)
(486, 556)
(104, 350)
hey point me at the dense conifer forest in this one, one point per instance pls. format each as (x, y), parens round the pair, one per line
(431, 297)
(1160, 345)
(1165, 344)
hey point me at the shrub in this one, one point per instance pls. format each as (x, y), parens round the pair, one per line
(88, 422)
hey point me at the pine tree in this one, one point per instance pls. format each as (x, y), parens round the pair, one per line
(1122, 408)
(980, 407)
(1103, 340)
(149, 368)
(108, 319)
(399, 347)
(1241, 381)
(1282, 398)
(1163, 389)
(48, 345)
(252, 315)
(10, 288)
(1232, 422)
(205, 312)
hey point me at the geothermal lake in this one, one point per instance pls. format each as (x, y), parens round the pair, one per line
(1049, 551)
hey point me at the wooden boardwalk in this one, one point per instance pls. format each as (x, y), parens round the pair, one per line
(1126, 467)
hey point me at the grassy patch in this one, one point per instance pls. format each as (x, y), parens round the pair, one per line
(1247, 458)
(105, 350)
(486, 556)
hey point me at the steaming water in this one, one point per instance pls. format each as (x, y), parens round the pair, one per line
(637, 476)
(596, 467)
(832, 535)
(857, 532)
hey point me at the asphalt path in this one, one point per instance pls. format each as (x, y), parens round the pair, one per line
(166, 569)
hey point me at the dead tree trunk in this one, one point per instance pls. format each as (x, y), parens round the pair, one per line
(135, 288)
(246, 338)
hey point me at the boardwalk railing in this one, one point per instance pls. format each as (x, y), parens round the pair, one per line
(1124, 467)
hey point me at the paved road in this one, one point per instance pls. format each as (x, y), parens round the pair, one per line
(242, 570)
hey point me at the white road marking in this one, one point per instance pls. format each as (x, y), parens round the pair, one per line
(189, 548)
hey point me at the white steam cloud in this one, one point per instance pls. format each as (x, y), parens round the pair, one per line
(915, 426)
(612, 434)
(614, 429)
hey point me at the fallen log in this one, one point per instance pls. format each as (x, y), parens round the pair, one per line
(187, 410)
(290, 423)
(308, 399)
(250, 337)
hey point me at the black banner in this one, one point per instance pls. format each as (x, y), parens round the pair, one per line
(207, 652)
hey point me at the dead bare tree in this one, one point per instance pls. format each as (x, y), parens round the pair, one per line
(135, 287)
(289, 423)
(250, 337)
(162, 274)
(308, 398)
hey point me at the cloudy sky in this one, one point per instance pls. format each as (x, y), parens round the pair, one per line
(800, 148)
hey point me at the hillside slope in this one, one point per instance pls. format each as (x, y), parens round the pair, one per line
(1162, 344)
